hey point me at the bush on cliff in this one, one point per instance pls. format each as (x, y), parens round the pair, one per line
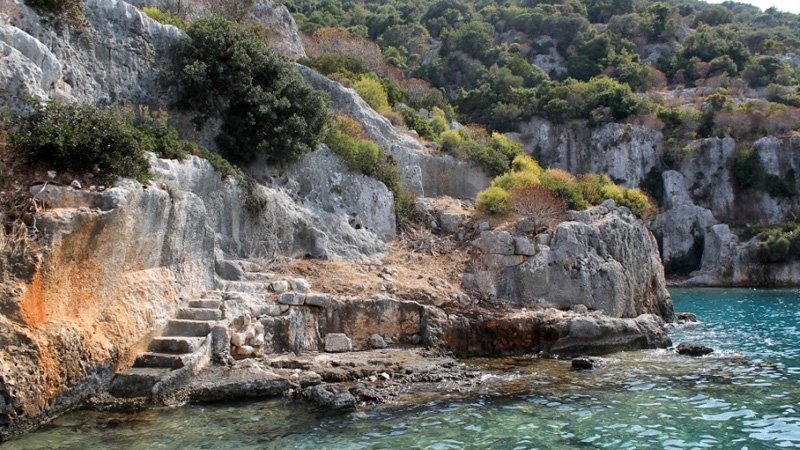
(67, 11)
(576, 193)
(82, 138)
(164, 16)
(266, 107)
(348, 140)
(107, 143)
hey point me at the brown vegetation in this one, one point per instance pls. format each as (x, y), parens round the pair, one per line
(538, 204)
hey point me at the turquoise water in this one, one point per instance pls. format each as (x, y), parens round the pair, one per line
(744, 396)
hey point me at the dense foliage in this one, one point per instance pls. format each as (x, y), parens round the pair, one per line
(83, 138)
(60, 11)
(577, 193)
(106, 143)
(500, 62)
(266, 107)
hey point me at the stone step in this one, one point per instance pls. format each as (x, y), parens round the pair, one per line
(158, 360)
(190, 328)
(136, 382)
(170, 344)
(205, 303)
(200, 313)
(259, 276)
(248, 287)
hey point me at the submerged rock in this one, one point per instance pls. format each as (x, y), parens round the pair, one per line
(334, 396)
(689, 349)
(685, 317)
(586, 363)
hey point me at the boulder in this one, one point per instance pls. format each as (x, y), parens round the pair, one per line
(330, 396)
(377, 341)
(585, 363)
(606, 259)
(337, 343)
(685, 348)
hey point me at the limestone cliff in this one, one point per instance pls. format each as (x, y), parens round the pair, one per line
(699, 191)
(603, 259)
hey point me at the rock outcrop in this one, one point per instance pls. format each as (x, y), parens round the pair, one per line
(699, 191)
(109, 60)
(603, 258)
(626, 153)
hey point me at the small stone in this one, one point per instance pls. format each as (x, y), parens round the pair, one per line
(580, 309)
(300, 285)
(385, 376)
(522, 246)
(376, 341)
(92, 188)
(321, 300)
(416, 339)
(279, 287)
(245, 350)
(586, 363)
(482, 226)
(76, 184)
(291, 298)
(685, 317)
(51, 174)
(101, 188)
(689, 349)
(337, 343)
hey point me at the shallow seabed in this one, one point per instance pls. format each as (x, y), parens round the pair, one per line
(744, 396)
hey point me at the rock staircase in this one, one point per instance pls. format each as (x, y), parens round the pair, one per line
(183, 344)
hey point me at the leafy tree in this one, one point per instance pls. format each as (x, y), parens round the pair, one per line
(265, 105)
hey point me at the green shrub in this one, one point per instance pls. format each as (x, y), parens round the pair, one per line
(747, 168)
(417, 122)
(438, 121)
(450, 141)
(777, 243)
(65, 11)
(83, 138)
(165, 17)
(370, 88)
(493, 200)
(347, 139)
(566, 186)
(265, 105)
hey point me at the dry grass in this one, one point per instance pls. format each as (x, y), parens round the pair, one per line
(18, 208)
(420, 266)
(8, 11)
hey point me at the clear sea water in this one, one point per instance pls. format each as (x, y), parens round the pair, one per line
(744, 396)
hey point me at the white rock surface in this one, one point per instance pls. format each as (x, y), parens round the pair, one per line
(605, 259)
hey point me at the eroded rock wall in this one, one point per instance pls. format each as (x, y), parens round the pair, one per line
(699, 189)
(114, 269)
(603, 259)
